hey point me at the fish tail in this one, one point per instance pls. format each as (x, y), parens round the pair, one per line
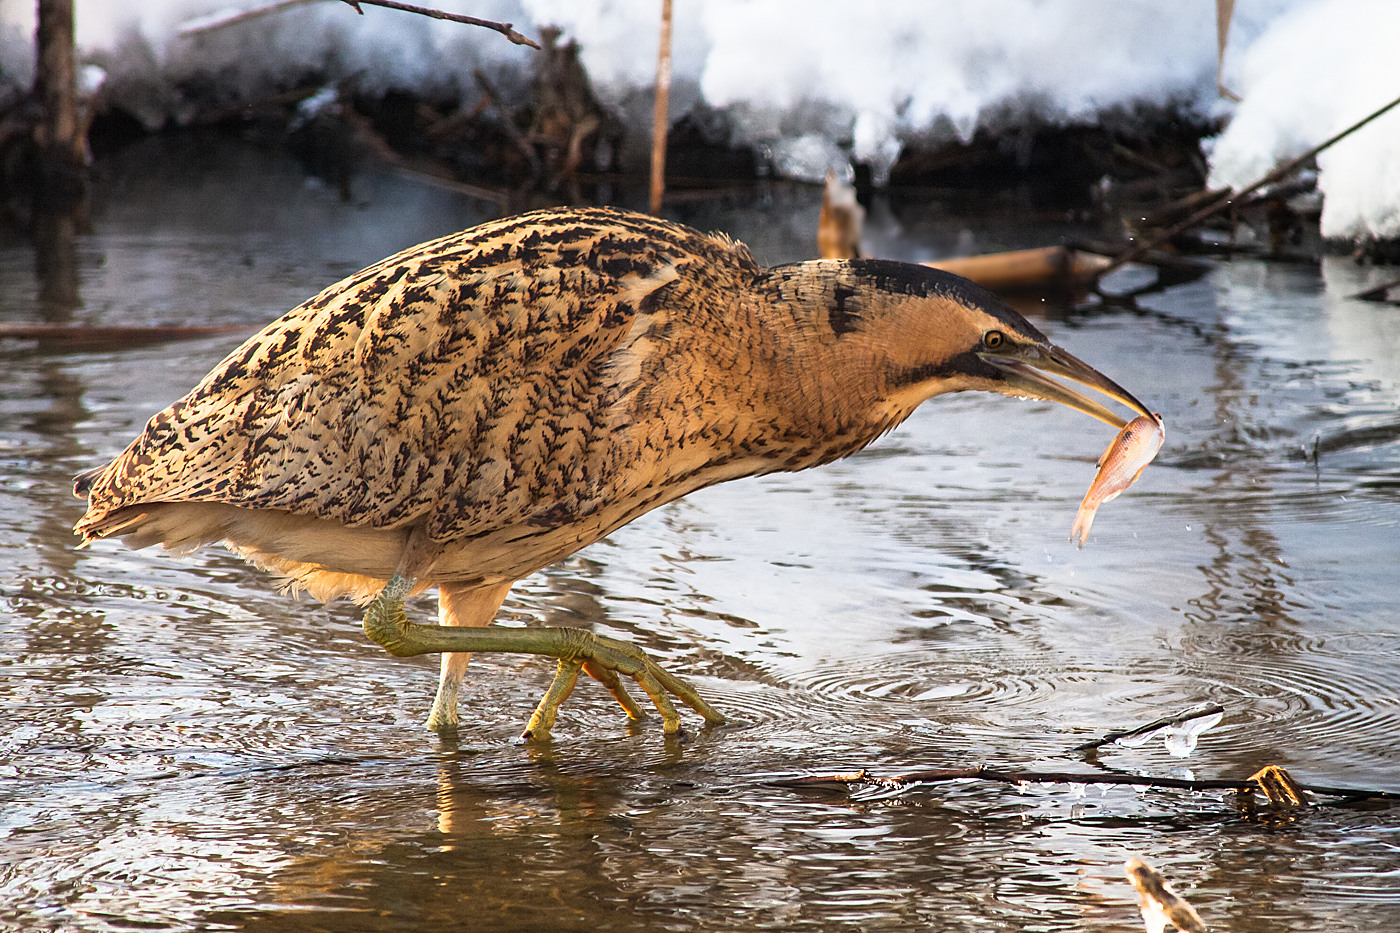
(1082, 521)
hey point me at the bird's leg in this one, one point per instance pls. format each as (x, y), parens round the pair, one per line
(387, 625)
(458, 605)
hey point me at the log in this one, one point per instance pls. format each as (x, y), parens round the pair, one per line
(113, 337)
(1043, 269)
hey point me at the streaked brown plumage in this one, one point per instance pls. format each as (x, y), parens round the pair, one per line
(482, 405)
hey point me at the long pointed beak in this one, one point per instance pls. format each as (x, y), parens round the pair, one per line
(1029, 377)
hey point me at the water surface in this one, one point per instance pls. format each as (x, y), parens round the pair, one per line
(185, 749)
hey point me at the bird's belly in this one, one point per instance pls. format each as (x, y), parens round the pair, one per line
(329, 558)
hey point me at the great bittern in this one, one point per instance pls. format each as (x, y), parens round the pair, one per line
(477, 407)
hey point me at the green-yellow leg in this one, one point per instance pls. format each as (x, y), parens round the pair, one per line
(387, 625)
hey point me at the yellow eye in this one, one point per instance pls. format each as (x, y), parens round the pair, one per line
(993, 340)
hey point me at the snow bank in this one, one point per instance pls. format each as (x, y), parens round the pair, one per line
(817, 84)
(1315, 72)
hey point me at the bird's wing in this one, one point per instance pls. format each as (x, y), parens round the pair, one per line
(470, 382)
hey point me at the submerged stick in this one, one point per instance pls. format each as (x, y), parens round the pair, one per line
(1256, 783)
(660, 110)
(1007, 776)
(1228, 197)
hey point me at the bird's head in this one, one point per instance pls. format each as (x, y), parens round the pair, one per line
(918, 332)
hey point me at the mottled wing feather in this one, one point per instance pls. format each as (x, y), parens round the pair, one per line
(469, 383)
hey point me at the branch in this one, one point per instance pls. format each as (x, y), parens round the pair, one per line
(210, 23)
(206, 25)
(1272, 781)
(503, 28)
(1282, 793)
(1229, 196)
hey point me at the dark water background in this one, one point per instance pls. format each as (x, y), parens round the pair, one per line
(182, 748)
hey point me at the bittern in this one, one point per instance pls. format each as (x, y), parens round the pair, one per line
(480, 406)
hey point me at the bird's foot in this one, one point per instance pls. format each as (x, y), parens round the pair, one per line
(605, 659)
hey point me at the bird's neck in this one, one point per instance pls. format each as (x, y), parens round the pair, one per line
(827, 386)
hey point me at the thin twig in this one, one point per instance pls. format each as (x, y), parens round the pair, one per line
(199, 26)
(1153, 726)
(1229, 197)
(503, 28)
(998, 775)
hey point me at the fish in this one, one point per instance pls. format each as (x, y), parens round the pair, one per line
(1118, 468)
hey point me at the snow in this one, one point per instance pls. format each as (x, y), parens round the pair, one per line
(817, 84)
(1316, 71)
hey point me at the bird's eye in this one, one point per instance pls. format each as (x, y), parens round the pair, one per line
(993, 340)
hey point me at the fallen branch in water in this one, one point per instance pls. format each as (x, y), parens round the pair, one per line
(1281, 792)
(208, 25)
(1265, 781)
(114, 336)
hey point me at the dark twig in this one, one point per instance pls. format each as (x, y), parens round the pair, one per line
(1230, 197)
(1004, 776)
(504, 29)
(896, 782)
(1153, 726)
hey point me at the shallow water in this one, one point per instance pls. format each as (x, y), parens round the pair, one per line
(185, 749)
